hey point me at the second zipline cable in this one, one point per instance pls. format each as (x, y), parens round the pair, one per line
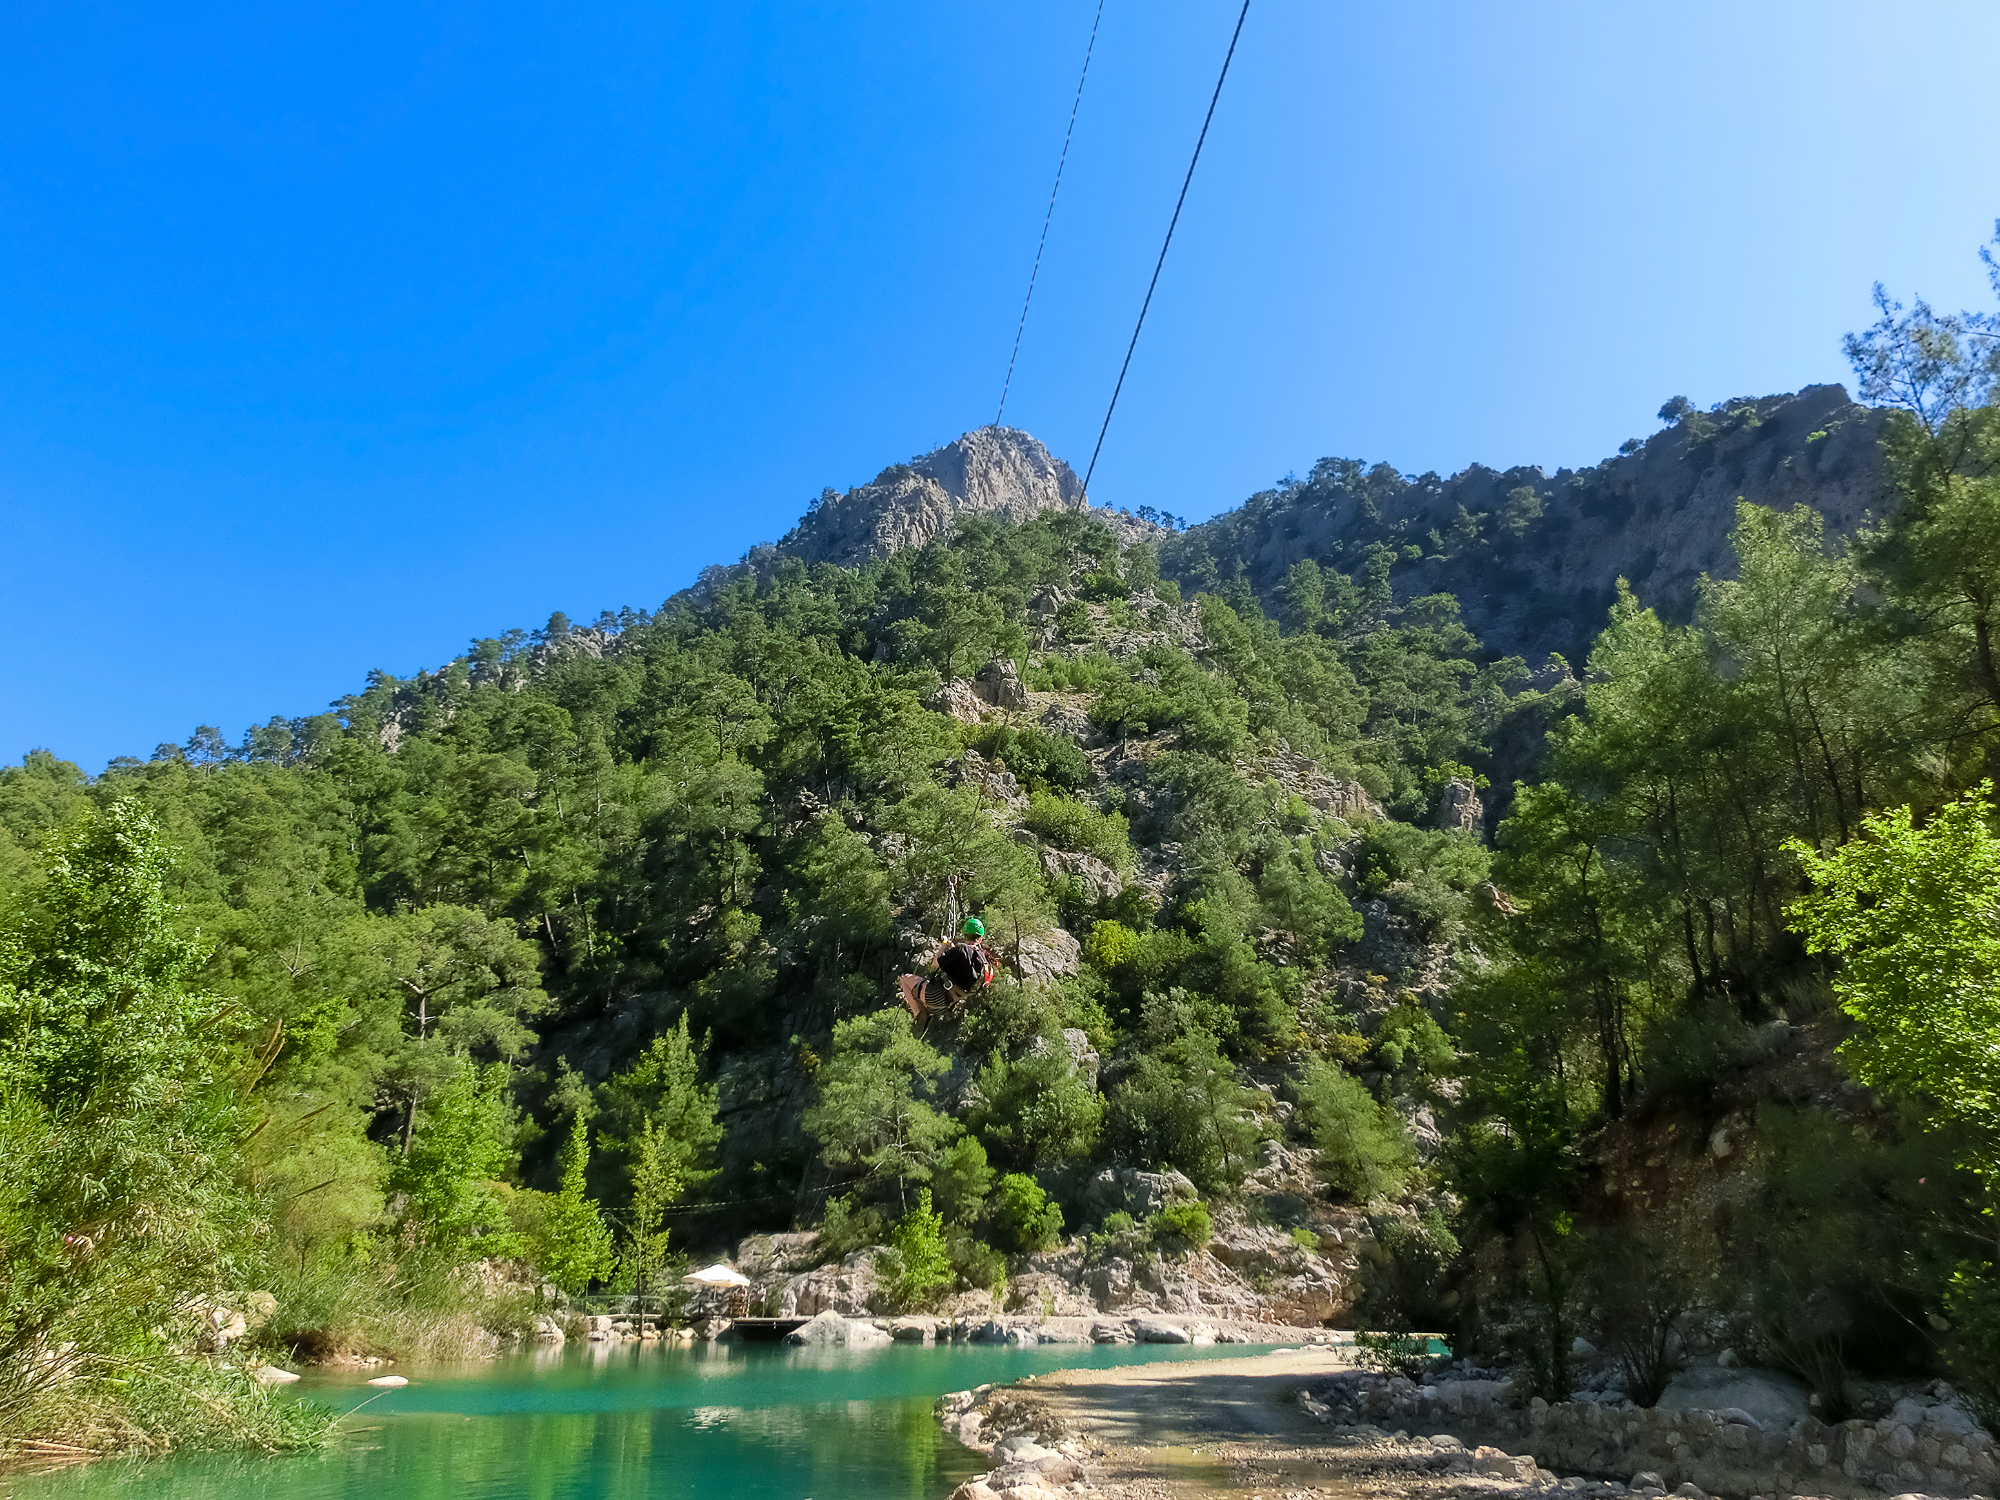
(1235, 36)
(1061, 162)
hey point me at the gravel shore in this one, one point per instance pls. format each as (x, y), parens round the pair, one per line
(1177, 1429)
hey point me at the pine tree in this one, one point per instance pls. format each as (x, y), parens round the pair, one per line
(575, 1247)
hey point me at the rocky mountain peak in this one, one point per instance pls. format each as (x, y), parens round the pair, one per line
(996, 471)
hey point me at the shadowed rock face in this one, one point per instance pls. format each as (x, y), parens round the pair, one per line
(1536, 572)
(996, 471)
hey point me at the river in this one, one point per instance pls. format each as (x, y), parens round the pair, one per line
(621, 1422)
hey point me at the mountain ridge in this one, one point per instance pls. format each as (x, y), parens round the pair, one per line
(1532, 556)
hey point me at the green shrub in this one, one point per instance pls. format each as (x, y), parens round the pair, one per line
(1298, 899)
(848, 1226)
(1187, 1223)
(1081, 829)
(1127, 708)
(1392, 1353)
(1039, 1111)
(1408, 1040)
(1182, 1107)
(1090, 673)
(1427, 877)
(977, 1264)
(1044, 761)
(919, 1263)
(1118, 1222)
(1364, 1150)
(1974, 1348)
(1103, 586)
(962, 1180)
(1024, 1218)
(1073, 621)
(1410, 1286)
(1305, 1239)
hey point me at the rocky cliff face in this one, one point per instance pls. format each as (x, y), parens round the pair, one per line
(1534, 558)
(1000, 472)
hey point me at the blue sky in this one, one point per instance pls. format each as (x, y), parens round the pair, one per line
(334, 336)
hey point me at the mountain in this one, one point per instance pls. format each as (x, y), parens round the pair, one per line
(1000, 472)
(1534, 558)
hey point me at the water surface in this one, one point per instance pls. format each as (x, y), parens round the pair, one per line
(620, 1422)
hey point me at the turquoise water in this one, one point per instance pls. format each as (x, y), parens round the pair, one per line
(596, 1422)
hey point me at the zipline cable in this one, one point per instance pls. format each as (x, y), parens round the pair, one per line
(1227, 57)
(1061, 161)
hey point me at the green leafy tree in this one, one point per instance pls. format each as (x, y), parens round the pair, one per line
(468, 986)
(1038, 1110)
(1363, 1148)
(448, 1177)
(1910, 911)
(921, 1258)
(962, 1180)
(1182, 1107)
(874, 1114)
(1024, 1217)
(119, 1203)
(675, 1133)
(574, 1247)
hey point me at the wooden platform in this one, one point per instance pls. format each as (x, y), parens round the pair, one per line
(766, 1330)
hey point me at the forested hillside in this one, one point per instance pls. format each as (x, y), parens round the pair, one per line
(580, 952)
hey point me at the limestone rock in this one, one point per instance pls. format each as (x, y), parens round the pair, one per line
(831, 1328)
(957, 700)
(1660, 516)
(850, 1288)
(1775, 1400)
(993, 471)
(1068, 721)
(1459, 808)
(1047, 956)
(1083, 1058)
(1099, 881)
(764, 1256)
(1153, 1331)
(1303, 777)
(1140, 1194)
(999, 683)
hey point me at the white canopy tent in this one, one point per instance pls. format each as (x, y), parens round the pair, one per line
(717, 1275)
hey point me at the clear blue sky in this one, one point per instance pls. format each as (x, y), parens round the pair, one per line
(334, 336)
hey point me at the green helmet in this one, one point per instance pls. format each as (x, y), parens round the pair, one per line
(973, 927)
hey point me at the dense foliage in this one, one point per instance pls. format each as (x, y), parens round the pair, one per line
(582, 949)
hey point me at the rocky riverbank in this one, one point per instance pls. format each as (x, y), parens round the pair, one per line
(1299, 1422)
(830, 1327)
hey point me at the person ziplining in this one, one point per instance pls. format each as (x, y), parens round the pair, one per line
(963, 967)
(959, 969)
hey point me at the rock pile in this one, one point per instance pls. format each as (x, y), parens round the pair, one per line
(1929, 1444)
(1028, 1466)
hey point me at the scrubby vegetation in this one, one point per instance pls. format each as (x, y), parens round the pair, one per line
(528, 975)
